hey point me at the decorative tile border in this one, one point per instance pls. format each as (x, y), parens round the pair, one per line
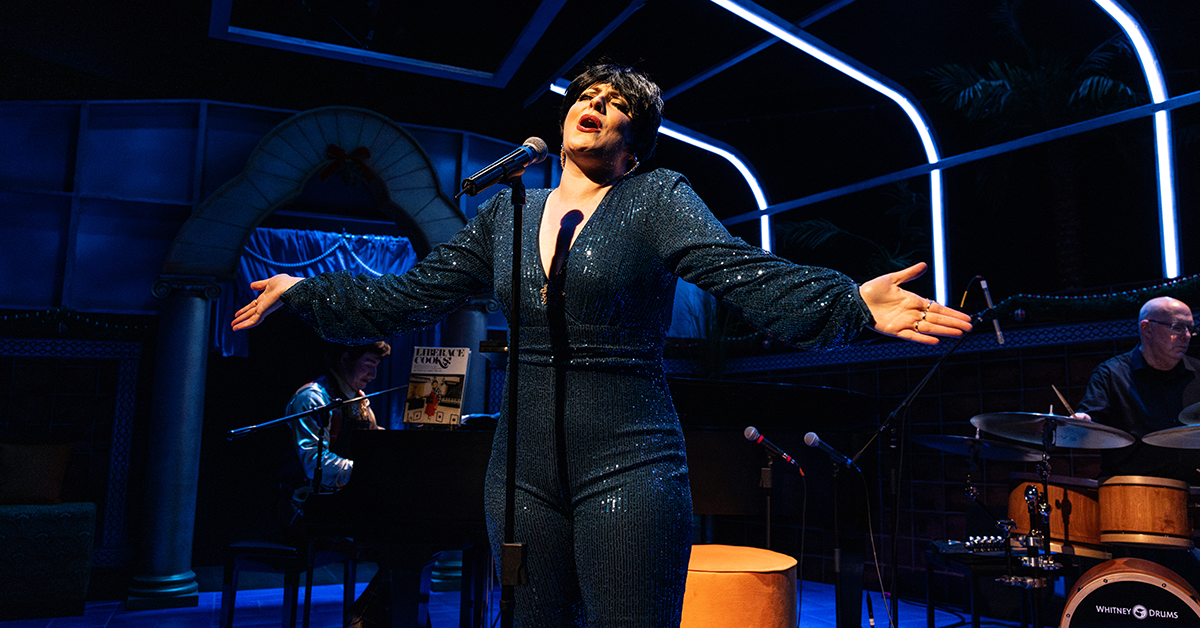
(111, 549)
(889, 349)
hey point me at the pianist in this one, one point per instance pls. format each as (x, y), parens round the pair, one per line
(349, 371)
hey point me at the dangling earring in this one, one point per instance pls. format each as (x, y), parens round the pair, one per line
(562, 157)
(633, 167)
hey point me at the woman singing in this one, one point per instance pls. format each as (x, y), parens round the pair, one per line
(603, 502)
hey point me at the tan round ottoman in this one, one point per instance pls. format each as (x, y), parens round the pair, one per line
(746, 587)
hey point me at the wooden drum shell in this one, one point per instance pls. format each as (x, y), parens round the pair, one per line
(1118, 587)
(1145, 511)
(1074, 509)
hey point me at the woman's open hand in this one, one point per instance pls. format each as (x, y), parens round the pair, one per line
(268, 300)
(903, 314)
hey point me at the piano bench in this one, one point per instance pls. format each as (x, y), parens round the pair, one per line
(270, 557)
(748, 587)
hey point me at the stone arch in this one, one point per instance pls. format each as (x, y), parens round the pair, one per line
(207, 249)
(211, 241)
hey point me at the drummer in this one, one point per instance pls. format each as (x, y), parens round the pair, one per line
(1145, 390)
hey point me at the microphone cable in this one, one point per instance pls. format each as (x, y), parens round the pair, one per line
(875, 554)
(967, 290)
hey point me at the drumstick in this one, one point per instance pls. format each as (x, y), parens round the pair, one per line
(1070, 410)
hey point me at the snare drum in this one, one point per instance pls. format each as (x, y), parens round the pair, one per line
(1074, 510)
(1145, 511)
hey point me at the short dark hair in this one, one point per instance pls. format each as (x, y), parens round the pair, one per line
(642, 94)
(334, 351)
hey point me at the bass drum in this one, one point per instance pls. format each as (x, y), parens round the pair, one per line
(1131, 592)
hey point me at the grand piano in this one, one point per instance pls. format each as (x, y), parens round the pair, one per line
(418, 491)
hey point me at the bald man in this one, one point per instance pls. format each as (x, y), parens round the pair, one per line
(1143, 391)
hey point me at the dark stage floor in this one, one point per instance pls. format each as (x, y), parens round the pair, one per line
(260, 608)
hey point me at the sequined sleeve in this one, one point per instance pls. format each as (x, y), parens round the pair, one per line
(806, 306)
(356, 309)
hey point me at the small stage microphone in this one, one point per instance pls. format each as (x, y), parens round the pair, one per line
(812, 440)
(532, 151)
(987, 296)
(751, 434)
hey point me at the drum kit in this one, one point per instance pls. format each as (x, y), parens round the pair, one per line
(1058, 515)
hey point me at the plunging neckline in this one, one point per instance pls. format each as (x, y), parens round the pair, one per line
(581, 230)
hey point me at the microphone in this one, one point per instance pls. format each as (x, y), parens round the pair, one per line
(812, 440)
(751, 434)
(505, 168)
(987, 295)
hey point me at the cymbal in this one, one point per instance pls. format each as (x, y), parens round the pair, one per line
(1190, 414)
(1182, 437)
(988, 449)
(1027, 427)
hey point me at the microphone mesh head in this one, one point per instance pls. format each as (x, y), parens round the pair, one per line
(539, 149)
(811, 439)
(751, 433)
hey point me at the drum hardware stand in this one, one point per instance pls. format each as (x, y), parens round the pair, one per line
(1038, 541)
(1006, 526)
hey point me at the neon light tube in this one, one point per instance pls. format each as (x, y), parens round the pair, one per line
(1163, 152)
(810, 45)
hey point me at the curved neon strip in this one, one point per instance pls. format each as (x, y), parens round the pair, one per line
(782, 30)
(764, 223)
(1141, 45)
(931, 152)
(677, 132)
(674, 131)
(1162, 133)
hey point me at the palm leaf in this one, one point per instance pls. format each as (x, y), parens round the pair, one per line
(809, 234)
(1099, 88)
(1100, 59)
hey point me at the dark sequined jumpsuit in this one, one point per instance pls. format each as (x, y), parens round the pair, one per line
(603, 502)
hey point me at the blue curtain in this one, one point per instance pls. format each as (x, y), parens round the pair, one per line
(303, 254)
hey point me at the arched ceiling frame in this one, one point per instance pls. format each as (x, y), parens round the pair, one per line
(841, 62)
(1151, 69)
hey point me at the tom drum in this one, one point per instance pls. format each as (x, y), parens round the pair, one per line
(1145, 511)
